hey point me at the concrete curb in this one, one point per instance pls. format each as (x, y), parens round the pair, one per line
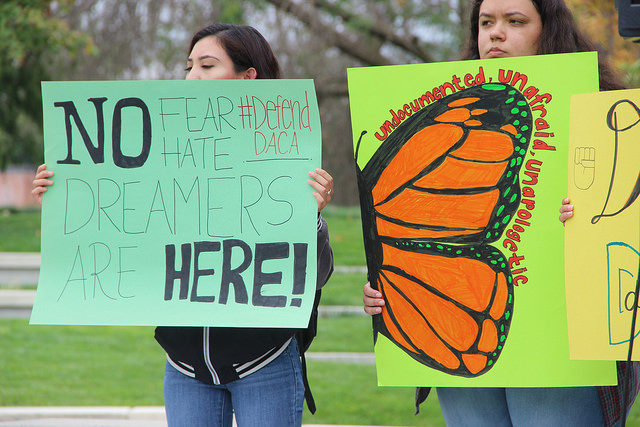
(16, 304)
(9, 413)
(107, 416)
(91, 416)
(17, 298)
(28, 260)
(23, 299)
(341, 357)
(18, 268)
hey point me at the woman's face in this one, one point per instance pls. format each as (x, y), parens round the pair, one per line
(508, 28)
(209, 61)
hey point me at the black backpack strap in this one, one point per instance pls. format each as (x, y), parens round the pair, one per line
(421, 395)
(304, 337)
(308, 396)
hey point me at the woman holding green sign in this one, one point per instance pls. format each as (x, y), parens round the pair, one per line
(502, 29)
(213, 373)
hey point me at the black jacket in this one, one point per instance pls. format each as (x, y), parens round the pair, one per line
(221, 355)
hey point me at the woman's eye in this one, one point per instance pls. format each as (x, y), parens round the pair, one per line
(188, 69)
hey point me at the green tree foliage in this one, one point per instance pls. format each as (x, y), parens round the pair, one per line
(87, 40)
(321, 39)
(147, 39)
(29, 37)
(138, 39)
(599, 19)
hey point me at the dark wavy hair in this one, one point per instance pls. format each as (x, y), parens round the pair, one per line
(560, 34)
(245, 46)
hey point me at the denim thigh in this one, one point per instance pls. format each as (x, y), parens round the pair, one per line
(474, 407)
(521, 407)
(271, 396)
(189, 402)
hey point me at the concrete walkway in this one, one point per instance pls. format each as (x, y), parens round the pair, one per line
(19, 268)
(16, 303)
(82, 416)
(85, 416)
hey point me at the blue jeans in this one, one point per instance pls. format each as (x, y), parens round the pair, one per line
(272, 397)
(521, 407)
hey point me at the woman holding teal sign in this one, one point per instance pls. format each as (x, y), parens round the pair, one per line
(213, 373)
(502, 29)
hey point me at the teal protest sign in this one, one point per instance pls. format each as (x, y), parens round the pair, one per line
(179, 203)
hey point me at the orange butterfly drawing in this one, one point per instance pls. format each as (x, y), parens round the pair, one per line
(440, 188)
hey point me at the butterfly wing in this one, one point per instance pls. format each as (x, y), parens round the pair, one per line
(445, 185)
(447, 306)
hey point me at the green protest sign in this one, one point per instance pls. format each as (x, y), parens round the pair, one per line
(179, 203)
(462, 167)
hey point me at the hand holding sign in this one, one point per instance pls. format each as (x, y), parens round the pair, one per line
(41, 182)
(322, 182)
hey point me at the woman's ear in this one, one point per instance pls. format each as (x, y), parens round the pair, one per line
(250, 74)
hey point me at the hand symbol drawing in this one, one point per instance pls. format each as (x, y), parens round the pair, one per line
(584, 167)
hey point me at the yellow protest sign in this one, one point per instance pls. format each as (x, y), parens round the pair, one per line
(601, 244)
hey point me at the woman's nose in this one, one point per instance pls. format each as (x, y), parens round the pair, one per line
(497, 32)
(193, 74)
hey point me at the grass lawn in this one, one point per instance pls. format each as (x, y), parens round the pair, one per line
(91, 365)
(19, 231)
(344, 289)
(345, 229)
(101, 365)
(345, 333)
(348, 394)
(109, 365)
(79, 365)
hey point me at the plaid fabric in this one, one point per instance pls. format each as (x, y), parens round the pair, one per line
(611, 396)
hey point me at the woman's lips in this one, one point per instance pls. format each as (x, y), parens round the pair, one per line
(494, 52)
